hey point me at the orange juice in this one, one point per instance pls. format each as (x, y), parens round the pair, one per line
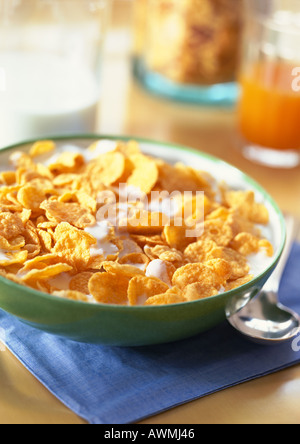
(269, 111)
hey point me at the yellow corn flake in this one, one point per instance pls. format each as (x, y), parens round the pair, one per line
(42, 147)
(38, 176)
(64, 179)
(247, 244)
(150, 240)
(145, 173)
(238, 262)
(199, 251)
(231, 285)
(222, 268)
(176, 237)
(72, 213)
(73, 245)
(217, 231)
(6, 203)
(267, 246)
(32, 240)
(195, 209)
(142, 288)
(172, 256)
(44, 184)
(120, 269)
(43, 171)
(40, 262)
(44, 223)
(193, 273)
(86, 201)
(109, 288)
(129, 149)
(105, 170)
(11, 225)
(13, 244)
(165, 253)
(181, 178)
(33, 250)
(80, 282)
(31, 197)
(46, 273)
(5, 190)
(129, 246)
(198, 290)
(172, 296)
(239, 224)
(220, 212)
(244, 202)
(67, 163)
(25, 216)
(143, 221)
(10, 258)
(8, 177)
(138, 260)
(72, 295)
(45, 240)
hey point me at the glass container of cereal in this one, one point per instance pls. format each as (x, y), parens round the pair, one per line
(188, 50)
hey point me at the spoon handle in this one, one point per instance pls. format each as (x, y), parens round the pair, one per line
(292, 230)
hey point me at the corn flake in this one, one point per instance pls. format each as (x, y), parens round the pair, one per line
(231, 285)
(176, 237)
(244, 202)
(80, 282)
(31, 197)
(72, 213)
(238, 262)
(217, 231)
(46, 273)
(137, 260)
(11, 225)
(195, 273)
(43, 147)
(109, 288)
(142, 288)
(138, 179)
(72, 245)
(72, 295)
(199, 251)
(11, 258)
(105, 170)
(198, 290)
(122, 269)
(172, 296)
(67, 163)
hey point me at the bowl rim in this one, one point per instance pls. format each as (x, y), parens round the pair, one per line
(182, 148)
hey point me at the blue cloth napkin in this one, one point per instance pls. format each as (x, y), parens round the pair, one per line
(106, 385)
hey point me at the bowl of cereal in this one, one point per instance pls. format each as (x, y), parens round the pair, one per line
(123, 242)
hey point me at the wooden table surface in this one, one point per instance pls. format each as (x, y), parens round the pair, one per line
(127, 109)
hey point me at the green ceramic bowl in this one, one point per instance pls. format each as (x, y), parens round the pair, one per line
(135, 326)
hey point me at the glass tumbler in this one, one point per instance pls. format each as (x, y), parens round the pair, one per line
(50, 67)
(269, 108)
(188, 50)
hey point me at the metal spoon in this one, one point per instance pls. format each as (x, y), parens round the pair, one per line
(264, 320)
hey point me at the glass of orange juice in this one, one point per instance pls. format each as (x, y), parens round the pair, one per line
(269, 107)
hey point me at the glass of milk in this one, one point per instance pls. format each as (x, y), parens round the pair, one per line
(50, 67)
